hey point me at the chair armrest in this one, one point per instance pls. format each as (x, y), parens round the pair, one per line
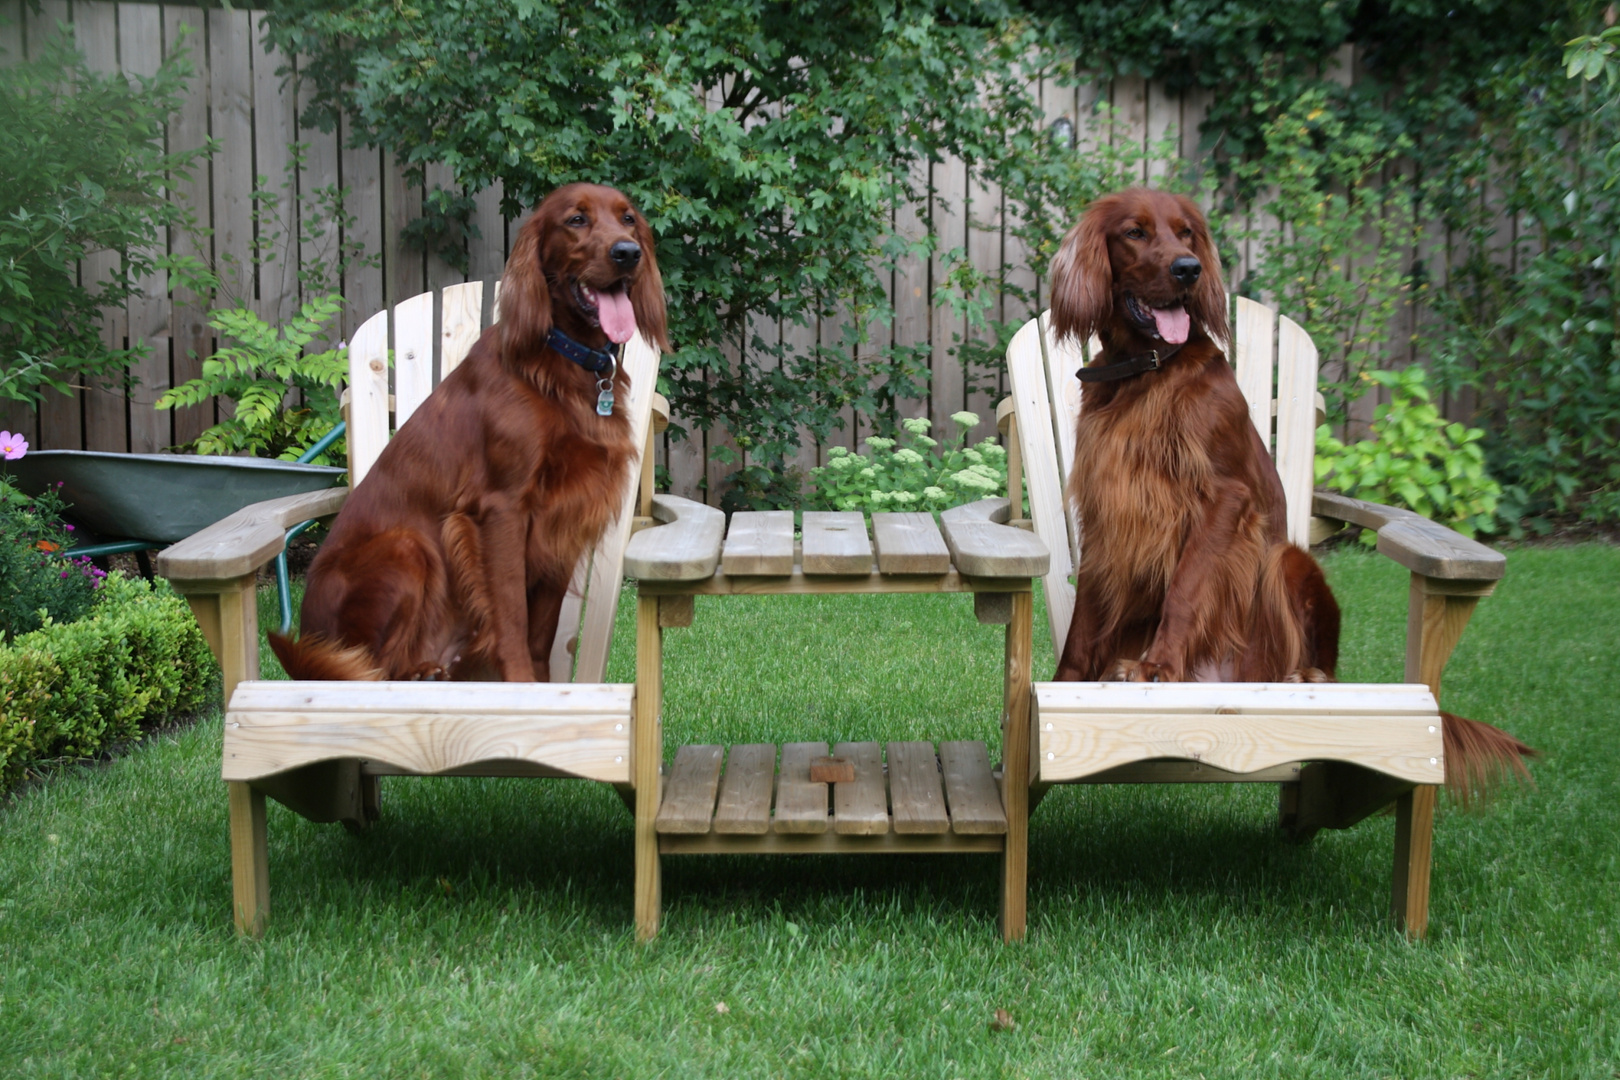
(238, 545)
(1422, 546)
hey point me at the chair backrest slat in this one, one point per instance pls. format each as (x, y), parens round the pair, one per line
(413, 355)
(463, 312)
(1027, 367)
(368, 395)
(1296, 424)
(1254, 343)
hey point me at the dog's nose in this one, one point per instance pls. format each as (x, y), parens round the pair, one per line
(1186, 269)
(625, 253)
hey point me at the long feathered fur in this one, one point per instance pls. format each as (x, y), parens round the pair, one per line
(1480, 758)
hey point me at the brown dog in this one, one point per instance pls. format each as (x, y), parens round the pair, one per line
(1186, 571)
(453, 556)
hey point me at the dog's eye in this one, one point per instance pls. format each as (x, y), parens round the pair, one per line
(1186, 234)
(629, 219)
(578, 219)
(1136, 233)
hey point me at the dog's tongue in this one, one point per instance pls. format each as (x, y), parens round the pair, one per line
(617, 317)
(1174, 324)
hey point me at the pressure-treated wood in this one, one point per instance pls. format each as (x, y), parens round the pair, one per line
(915, 793)
(1254, 344)
(250, 859)
(238, 545)
(830, 843)
(801, 804)
(832, 770)
(801, 584)
(982, 547)
(460, 324)
(1414, 845)
(689, 794)
(971, 795)
(759, 542)
(1085, 728)
(1422, 546)
(835, 542)
(273, 727)
(685, 548)
(647, 759)
(861, 805)
(745, 794)
(1296, 424)
(413, 355)
(1017, 748)
(909, 544)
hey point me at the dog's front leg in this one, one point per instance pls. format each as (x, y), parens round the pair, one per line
(486, 546)
(1193, 599)
(1086, 649)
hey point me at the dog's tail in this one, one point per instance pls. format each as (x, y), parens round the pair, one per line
(1479, 758)
(316, 657)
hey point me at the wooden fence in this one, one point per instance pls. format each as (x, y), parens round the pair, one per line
(238, 99)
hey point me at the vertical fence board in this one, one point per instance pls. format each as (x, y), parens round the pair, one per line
(61, 415)
(949, 214)
(185, 29)
(360, 169)
(106, 423)
(486, 258)
(140, 49)
(984, 253)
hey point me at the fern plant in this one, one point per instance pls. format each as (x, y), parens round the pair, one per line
(265, 373)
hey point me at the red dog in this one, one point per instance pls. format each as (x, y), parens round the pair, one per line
(1186, 570)
(452, 557)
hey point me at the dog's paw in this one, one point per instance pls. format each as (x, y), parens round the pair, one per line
(1148, 671)
(1308, 675)
(1124, 671)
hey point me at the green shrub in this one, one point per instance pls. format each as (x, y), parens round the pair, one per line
(35, 582)
(1414, 459)
(913, 477)
(71, 689)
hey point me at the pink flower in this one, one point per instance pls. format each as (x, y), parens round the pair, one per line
(13, 446)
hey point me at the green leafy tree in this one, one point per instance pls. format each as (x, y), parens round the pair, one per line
(768, 144)
(82, 170)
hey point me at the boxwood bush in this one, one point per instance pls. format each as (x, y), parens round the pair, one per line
(71, 689)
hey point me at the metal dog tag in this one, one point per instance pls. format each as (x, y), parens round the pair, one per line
(604, 402)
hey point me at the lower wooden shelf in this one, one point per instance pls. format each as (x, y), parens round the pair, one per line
(917, 800)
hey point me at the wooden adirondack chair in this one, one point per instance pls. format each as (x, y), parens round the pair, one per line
(1340, 751)
(320, 747)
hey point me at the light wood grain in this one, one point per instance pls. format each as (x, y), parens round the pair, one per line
(413, 355)
(1254, 343)
(273, 727)
(909, 544)
(246, 540)
(368, 396)
(685, 548)
(915, 794)
(800, 584)
(250, 860)
(831, 843)
(745, 793)
(689, 793)
(759, 542)
(647, 761)
(1296, 425)
(1079, 738)
(460, 324)
(1017, 750)
(801, 805)
(835, 542)
(1422, 546)
(1043, 467)
(1414, 847)
(861, 806)
(984, 548)
(971, 795)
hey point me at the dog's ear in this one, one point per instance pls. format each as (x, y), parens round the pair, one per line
(525, 296)
(1207, 303)
(647, 292)
(1083, 276)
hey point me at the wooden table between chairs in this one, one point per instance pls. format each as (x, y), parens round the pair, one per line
(713, 802)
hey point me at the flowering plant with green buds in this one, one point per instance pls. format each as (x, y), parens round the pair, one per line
(918, 475)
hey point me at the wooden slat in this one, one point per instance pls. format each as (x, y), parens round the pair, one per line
(1422, 546)
(140, 50)
(981, 547)
(640, 363)
(909, 544)
(801, 806)
(188, 128)
(690, 790)
(745, 793)
(1296, 424)
(1253, 334)
(685, 548)
(1084, 730)
(95, 28)
(831, 843)
(970, 789)
(915, 793)
(1027, 381)
(368, 396)
(246, 540)
(271, 728)
(799, 584)
(835, 542)
(759, 542)
(460, 326)
(861, 806)
(413, 355)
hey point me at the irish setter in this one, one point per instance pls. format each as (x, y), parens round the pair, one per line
(1186, 571)
(452, 557)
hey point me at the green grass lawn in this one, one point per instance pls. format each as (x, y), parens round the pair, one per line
(483, 928)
